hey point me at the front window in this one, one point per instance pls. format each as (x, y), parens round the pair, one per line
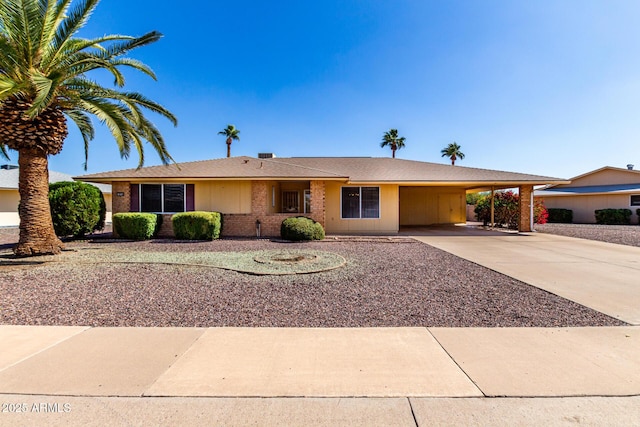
(635, 200)
(160, 198)
(360, 202)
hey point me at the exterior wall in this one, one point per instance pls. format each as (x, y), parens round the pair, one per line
(9, 200)
(524, 223)
(262, 209)
(432, 205)
(231, 197)
(120, 203)
(387, 223)
(584, 207)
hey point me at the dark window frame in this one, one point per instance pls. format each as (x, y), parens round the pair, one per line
(163, 200)
(361, 211)
(635, 202)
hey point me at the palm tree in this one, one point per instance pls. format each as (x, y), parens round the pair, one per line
(393, 141)
(452, 151)
(43, 82)
(232, 134)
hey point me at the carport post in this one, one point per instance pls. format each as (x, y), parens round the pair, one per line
(525, 223)
(493, 209)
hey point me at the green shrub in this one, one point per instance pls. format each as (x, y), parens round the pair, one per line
(197, 225)
(301, 228)
(613, 216)
(77, 208)
(563, 216)
(136, 226)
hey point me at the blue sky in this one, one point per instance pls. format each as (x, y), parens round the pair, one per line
(544, 87)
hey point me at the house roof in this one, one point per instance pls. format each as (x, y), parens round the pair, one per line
(9, 179)
(346, 169)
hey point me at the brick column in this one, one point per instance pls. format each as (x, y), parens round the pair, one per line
(120, 203)
(318, 201)
(524, 224)
(259, 198)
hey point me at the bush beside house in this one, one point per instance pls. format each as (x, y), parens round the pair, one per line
(197, 225)
(613, 216)
(301, 228)
(77, 208)
(136, 226)
(562, 216)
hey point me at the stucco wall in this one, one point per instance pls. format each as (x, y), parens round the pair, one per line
(387, 223)
(432, 205)
(9, 200)
(583, 207)
(229, 197)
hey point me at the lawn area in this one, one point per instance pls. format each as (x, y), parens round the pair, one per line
(384, 282)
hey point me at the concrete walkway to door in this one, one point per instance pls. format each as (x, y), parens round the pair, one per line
(602, 276)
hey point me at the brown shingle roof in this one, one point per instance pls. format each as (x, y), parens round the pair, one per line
(352, 169)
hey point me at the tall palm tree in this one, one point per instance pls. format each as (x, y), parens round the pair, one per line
(392, 139)
(232, 135)
(44, 82)
(452, 151)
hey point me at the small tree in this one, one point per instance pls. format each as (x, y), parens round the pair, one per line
(452, 151)
(232, 135)
(76, 208)
(394, 141)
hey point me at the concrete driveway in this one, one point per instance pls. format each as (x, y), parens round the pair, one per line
(602, 276)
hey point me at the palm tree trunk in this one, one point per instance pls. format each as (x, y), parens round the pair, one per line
(37, 236)
(228, 147)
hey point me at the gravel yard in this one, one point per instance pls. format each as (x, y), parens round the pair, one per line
(392, 282)
(620, 234)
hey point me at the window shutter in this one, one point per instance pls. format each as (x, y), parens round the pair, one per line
(135, 198)
(190, 202)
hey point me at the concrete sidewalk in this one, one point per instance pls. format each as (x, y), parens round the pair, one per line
(367, 376)
(383, 376)
(601, 276)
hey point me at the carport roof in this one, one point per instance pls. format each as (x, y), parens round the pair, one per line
(346, 169)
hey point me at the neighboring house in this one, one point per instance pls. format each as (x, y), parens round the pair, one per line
(10, 198)
(346, 195)
(604, 188)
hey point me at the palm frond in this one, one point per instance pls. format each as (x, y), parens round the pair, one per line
(118, 49)
(138, 65)
(83, 122)
(74, 20)
(3, 151)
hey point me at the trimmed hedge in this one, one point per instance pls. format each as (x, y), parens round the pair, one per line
(77, 208)
(136, 226)
(613, 216)
(301, 228)
(563, 216)
(197, 225)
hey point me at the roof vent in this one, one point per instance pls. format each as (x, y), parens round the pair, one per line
(8, 167)
(266, 155)
(630, 166)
